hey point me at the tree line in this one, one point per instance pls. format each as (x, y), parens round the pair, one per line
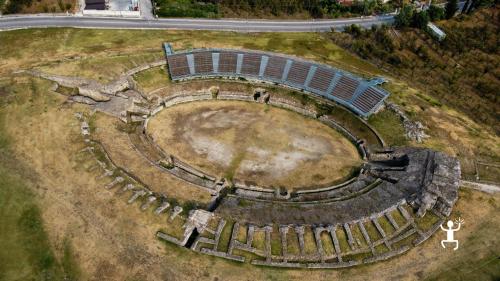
(314, 8)
(16, 6)
(461, 70)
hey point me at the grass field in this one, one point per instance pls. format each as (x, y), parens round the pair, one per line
(79, 230)
(152, 79)
(27, 252)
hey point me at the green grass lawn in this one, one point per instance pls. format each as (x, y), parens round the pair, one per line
(152, 79)
(389, 126)
(25, 250)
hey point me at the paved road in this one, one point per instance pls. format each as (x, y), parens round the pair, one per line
(17, 22)
(488, 188)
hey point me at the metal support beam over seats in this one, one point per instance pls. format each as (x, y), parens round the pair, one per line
(239, 63)
(215, 62)
(310, 75)
(190, 60)
(168, 49)
(263, 65)
(334, 82)
(288, 65)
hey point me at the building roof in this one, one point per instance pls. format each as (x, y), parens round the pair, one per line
(436, 30)
(95, 6)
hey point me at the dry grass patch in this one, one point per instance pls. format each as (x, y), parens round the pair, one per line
(225, 236)
(398, 217)
(102, 68)
(152, 79)
(358, 236)
(342, 238)
(276, 248)
(327, 243)
(292, 240)
(242, 234)
(385, 225)
(309, 242)
(259, 240)
(121, 151)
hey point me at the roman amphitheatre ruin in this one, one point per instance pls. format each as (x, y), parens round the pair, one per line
(266, 177)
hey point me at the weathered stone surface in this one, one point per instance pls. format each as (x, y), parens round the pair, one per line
(198, 219)
(82, 99)
(214, 90)
(137, 194)
(116, 86)
(92, 93)
(443, 185)
(389, 177)
(85, 129)
(175, 212)
(165, 205)
(115, 182)
(148, 202)
(138, 110)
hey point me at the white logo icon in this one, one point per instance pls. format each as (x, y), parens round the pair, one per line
(450, 232)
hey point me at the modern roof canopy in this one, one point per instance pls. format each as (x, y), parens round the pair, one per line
(359, 95)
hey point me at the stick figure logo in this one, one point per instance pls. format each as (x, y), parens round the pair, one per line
(450, 232)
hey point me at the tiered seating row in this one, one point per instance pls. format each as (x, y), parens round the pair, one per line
(251, 64)
(298, 73)
(178, 65)
(368, 99)
(203, 62)
(322, 79)
(345, 88)
(342, 87)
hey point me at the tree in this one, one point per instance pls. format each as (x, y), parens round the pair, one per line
(14, 7)
(451, 8)
(420, 19)
(404, 18)
(354, 30)
(435, 13)
(466, 5)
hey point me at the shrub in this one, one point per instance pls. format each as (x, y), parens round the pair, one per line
(435, 13)
(394, 60)
(420, 19)
(61, 5)
(451, 8)
(354, 30)
(189, 9)
(404, 18)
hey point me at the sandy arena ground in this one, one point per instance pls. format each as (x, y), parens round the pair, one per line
(256, 143)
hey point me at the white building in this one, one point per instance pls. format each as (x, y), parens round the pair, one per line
(436, 31)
